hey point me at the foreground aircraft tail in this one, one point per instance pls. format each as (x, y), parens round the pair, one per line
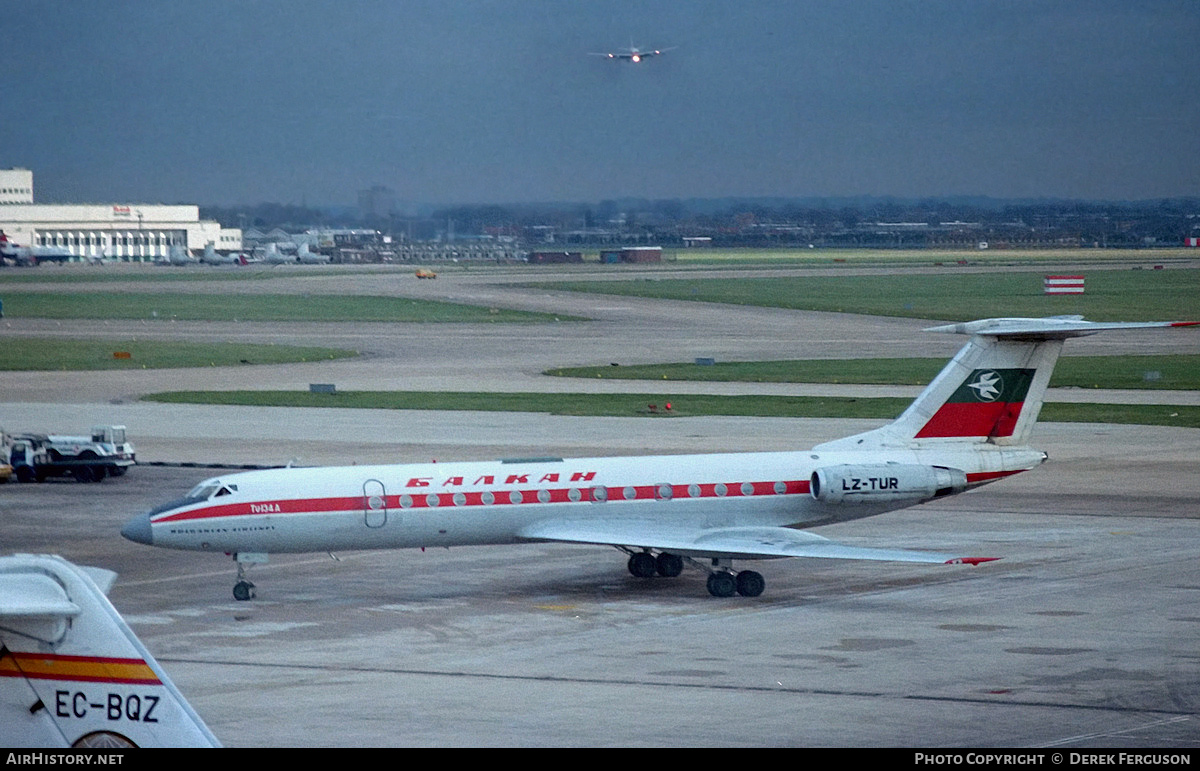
(73, 674)
(992, 390)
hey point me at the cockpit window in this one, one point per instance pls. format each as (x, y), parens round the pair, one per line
(204, 490)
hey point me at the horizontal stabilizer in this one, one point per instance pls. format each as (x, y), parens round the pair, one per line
(1051, 328)
(34, 595)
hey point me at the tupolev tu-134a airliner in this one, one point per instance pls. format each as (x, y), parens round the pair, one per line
(970, 426)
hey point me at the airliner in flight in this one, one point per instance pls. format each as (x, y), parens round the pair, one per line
(633, 54)
(970, 426)
(72, 672)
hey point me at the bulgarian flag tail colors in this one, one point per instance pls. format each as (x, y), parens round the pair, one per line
(992, 391)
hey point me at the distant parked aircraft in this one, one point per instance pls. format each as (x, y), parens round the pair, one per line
(212, 257)
(308, 257)
(272, 256)
(32, 255)
(178, 255)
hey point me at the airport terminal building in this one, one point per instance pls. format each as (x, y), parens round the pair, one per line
(125, 232)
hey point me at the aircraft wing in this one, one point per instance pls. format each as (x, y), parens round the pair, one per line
(729, 542)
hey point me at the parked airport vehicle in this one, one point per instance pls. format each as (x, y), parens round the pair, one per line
(426, 273)
(105, 442)
(72, 672)
(33, 459)
(970, 426)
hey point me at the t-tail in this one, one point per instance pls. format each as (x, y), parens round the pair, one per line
(993, 389)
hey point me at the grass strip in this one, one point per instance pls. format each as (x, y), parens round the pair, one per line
(1111, 295)
(681, 405)
(1173, 372)
(253, 307)
(36, 354)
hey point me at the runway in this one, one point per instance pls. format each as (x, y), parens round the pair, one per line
(1083, 635)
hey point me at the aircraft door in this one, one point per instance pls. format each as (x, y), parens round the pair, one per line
(374, 503)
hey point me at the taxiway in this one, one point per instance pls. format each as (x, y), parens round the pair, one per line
(1083, 635)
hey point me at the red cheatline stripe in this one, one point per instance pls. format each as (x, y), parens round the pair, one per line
(990, 476)
(431, 499)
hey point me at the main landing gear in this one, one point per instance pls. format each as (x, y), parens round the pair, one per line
(723, 581)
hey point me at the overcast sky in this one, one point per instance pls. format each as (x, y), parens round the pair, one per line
(499, 101)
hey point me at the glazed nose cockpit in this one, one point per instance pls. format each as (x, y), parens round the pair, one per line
(140, 529)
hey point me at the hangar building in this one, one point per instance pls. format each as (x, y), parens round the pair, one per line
(126, 232)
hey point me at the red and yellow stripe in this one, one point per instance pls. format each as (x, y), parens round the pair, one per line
(92, 669)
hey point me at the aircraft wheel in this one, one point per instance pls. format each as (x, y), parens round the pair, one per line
(721, 584)
(643, 565)
(750, 583)
(243, 590)
(669, 565)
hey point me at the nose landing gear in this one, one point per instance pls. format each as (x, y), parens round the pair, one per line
(244, 589)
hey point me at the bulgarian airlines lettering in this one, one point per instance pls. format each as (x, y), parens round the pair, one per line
(489, 480)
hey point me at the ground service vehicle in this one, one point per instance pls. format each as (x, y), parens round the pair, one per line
(32, 461)
(105, 443)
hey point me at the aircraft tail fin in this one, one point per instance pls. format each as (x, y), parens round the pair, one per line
(72, 672)
(992, 390)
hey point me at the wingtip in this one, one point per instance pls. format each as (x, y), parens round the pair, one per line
(971, 560)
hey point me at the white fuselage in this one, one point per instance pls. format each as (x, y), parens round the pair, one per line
(475, 503)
